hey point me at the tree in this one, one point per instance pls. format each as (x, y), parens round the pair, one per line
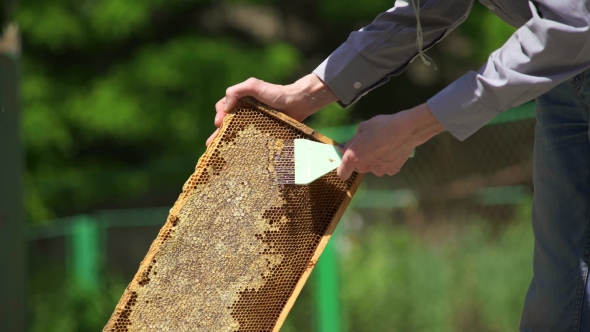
(119, 95)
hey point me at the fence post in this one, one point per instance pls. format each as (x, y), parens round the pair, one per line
(84, 256)
(327, 297)
(326, 270)
(12, 240)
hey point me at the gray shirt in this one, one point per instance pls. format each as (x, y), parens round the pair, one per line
(551, 45)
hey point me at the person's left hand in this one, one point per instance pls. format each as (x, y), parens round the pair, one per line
(382, 144)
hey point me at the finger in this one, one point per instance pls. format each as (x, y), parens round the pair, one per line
(379, 172)
(394, 169)
(344, 146)
(250, 87)
(219, 118)
(347, 165)
(219, 107)
(211, 137)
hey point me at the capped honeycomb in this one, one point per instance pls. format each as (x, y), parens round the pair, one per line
(237, 246)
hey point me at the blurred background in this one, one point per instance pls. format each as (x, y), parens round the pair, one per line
(116, 100)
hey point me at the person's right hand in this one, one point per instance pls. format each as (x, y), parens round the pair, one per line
(298, 100)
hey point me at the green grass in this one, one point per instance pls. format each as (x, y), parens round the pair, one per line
(453, 277)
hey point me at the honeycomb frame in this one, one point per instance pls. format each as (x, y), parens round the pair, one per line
(270, 241)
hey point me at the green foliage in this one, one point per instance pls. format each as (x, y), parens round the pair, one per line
(392, 280)
(340, 11)
(330, 116)
(485, 32)
(87, 130)
(118, 95)
(119, 98)
(61, 24)
(57, 305)
(467, 278)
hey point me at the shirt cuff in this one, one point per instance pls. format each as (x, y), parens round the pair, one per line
(348, 74)
(459, 109)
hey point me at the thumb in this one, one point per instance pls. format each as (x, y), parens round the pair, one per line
(343, 146)
(230, 101)
(347, 165)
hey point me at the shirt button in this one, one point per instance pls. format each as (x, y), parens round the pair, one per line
(491, 7)
(357, 85)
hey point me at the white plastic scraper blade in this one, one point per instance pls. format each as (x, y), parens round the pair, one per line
(312, 160)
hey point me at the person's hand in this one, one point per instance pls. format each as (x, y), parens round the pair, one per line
(382, 144)
(298, 100)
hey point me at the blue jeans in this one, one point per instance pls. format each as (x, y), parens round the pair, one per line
(558, 298)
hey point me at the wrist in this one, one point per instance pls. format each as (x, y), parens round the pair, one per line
(426, 124)
(313, 92)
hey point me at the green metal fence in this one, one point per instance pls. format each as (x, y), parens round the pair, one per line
(86, 234)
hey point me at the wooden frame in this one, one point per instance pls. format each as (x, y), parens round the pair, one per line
(187, 189)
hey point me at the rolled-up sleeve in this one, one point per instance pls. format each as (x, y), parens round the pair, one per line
(385, 47)
(551, 47)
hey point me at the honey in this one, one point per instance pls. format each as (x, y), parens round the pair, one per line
(237, 246)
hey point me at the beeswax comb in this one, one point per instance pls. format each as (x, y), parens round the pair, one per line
(238, 245)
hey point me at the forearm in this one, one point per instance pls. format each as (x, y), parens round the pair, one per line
(386, 46)
(312, 92)
(382, 144)
(426, 125)
(550, 48)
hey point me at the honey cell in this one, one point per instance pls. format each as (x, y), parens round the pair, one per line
(237, 246)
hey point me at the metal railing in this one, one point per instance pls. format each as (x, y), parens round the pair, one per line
(86, 233)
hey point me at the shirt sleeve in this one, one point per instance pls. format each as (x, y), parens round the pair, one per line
(386, 46)
(551, 47)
